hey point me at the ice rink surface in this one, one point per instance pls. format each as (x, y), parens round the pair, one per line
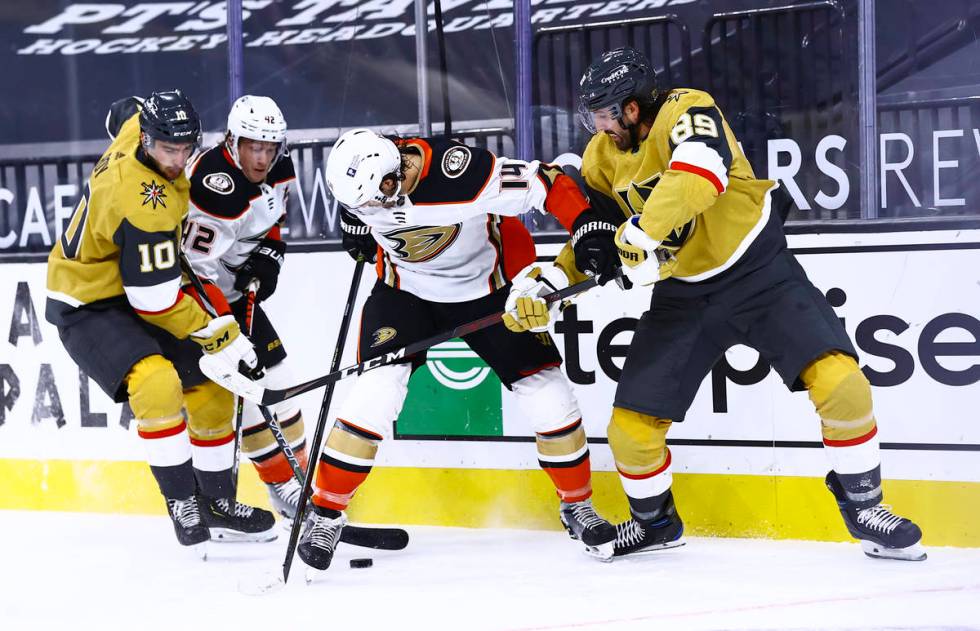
(77, 571)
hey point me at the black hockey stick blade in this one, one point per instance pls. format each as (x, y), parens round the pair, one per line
(272, 396)
(375, 537)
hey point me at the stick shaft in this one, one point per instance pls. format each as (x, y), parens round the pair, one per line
(321, 422)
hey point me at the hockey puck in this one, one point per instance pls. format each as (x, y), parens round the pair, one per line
(357, 563)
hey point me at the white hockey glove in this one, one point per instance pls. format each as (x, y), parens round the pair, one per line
(525, 309)
(638, 252)
(226, 353)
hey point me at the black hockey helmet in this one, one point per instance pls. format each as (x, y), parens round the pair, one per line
(615, 77)
(169, 116)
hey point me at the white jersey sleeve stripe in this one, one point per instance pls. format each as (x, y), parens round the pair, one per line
(707, 162)
(154, 298)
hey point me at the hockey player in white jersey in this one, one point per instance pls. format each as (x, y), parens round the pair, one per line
(238, 199)
(439, 219)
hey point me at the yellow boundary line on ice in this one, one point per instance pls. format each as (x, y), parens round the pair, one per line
(711, 504)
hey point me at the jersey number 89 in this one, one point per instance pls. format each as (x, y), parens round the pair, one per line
(687, 126)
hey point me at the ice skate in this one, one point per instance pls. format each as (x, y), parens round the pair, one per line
(284, 497)
(882, 534)
(229, 520)
(319, 541)
(585, 525)
(641, 537)
(188, 526)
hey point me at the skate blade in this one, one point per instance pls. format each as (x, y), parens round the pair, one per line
(914, 552)
(603, 552)
(226, 535)
(199, 550)
(260, 584)
(676, 543)
(313, 574)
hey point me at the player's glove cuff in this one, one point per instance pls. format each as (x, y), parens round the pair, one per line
(526, 309)
(638, 252)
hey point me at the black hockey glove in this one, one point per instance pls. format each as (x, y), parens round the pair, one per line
(356, 237)
(263, 264)
(593, 241)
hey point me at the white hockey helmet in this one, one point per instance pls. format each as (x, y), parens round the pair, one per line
(357, 164)
(255, 118)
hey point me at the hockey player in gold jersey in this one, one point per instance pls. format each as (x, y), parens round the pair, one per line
(677, 204)
(115, 294)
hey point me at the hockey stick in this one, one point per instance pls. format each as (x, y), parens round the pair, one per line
(269, 396)
(377, 538)
(250, 290)
(321, 422)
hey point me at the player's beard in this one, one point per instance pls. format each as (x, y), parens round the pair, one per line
(626, 138)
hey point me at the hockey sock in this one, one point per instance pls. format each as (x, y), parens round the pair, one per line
(209, 412)
(156, 400)
(639, 446)
(345, 463)
(564, 456)
(259, 444)
(841, 395)
(168, 451)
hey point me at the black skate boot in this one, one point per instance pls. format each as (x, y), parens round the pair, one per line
(229, 520)
(188, 525)
(321, 534)
(639, 536)
(585, 525)
(882, 534)
(284, 497)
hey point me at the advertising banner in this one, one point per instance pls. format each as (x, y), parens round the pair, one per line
(905, 298)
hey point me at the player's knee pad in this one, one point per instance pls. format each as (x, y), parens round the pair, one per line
(842, 396)
(156, 399)
(376, 398)
(155, 393)
(638, 441)
(639, 445)
(210, 410)
(547, 401)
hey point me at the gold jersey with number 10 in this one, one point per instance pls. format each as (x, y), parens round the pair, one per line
(693, 188)
(120, 246)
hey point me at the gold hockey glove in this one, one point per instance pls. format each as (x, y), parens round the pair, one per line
(526, 309)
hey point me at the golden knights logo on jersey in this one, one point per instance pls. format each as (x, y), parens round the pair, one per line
(153, 193)
(635, 196)
(417, 245)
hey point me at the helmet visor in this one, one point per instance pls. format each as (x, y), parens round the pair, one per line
(601, 119)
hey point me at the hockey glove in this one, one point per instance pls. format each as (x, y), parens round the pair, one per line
(639, 253)
(263, 264)
(595, 250)
(356, 237)
(229, 358)
(526, 309)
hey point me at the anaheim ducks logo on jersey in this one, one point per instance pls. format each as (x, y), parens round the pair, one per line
(418, 245)
(153, 193)
(382, 335)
